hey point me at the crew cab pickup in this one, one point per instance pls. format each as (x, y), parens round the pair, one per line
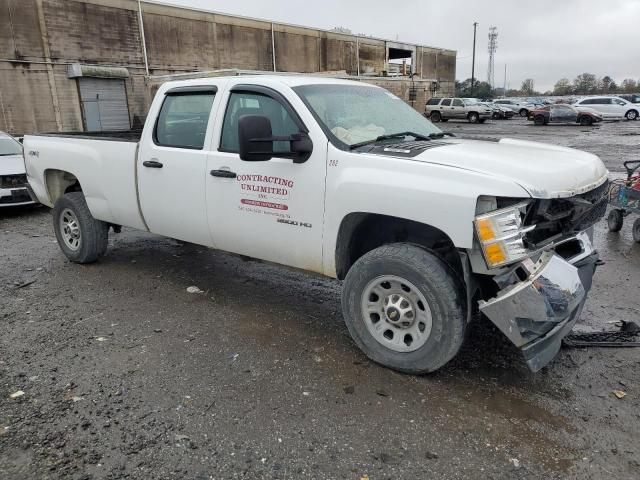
(426, 230)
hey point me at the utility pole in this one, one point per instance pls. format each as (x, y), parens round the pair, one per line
(504, 92)
(473, 62)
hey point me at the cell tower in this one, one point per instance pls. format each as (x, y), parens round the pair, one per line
(493, 46)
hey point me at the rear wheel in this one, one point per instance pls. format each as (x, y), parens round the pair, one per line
(473, 117)
(435, 117)
(539, 120)
(586, 121)
(404, 307)
(82, 238)
(632, 115)
(636, 230)
(615, 220)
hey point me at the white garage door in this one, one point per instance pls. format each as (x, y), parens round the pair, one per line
(104, 104)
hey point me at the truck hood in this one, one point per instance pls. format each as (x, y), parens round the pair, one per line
(11, 164)
(544, 171)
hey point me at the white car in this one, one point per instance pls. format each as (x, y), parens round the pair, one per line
(346, 180)
(611, 108)
(13, 179)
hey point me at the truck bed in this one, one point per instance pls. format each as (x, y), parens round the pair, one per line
(121, 136)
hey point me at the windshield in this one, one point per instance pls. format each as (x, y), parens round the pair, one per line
(8, 146)
(353, 114)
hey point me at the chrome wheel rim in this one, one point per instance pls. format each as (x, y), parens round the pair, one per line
(396, 313)
(70, 229)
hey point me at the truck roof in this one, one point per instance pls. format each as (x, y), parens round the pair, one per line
(288, 80)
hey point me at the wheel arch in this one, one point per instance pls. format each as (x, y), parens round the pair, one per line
(361, 232)
(58, 182)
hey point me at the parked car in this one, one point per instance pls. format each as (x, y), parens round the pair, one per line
(564, 114)
(611, 108)
(521, 108)
(632, 98)
(13, 179)
(445, 109)
(426, 230)
(500, 112)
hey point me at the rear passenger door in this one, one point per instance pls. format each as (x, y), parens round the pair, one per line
(172, 164)
(445, 108)
(458, 109)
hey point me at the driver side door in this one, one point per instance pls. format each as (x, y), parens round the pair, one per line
(272, 210)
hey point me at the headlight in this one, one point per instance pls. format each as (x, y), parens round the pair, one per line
(501, 235)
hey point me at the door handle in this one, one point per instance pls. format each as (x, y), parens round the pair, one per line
(223, 173)
(152, 164)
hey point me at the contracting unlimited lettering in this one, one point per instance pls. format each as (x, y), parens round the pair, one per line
(265, 185)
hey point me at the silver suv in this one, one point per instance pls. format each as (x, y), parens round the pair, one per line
(444, 109)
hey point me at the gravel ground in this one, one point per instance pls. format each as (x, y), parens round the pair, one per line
(126, 375)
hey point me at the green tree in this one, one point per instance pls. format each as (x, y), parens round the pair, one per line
(629, 85)
(585, 83)
(480, 90)
(528, 87)
(605, 84)
(562, 87)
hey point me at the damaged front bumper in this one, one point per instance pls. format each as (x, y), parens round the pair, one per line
(544, 299)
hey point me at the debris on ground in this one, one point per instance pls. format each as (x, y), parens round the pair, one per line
(24, 284)
(194, 289)
(515, 462)
(619, 394)
(382, 393)
(17, 394)
(612, 338)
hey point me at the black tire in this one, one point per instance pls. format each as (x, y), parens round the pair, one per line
(495, 116)
(482, 120)
(635, 231)
(539, 120)
(435, 117)
(524, 112)
(615, 220)
(632, 115)
(473, 117)
(586, 121)
(433, 279)
(445, 119)
(93, 234)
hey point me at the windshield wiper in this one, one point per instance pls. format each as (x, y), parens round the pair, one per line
(441, 135)
(417, 136)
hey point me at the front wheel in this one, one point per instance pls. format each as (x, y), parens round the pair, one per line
(632, 115)
(404, 307)
(586, 121)
(82, 238)
(539, 120)
(524, 112)
(615, 220)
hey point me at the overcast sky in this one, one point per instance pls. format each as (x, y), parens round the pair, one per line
(542, 39)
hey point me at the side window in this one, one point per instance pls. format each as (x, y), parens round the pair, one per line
(618, 101)
(433, 101)
(446, 102)
(183, 119)
(250, 103)
(458, 103)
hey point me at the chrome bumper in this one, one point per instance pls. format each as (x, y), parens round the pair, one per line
(539, 309)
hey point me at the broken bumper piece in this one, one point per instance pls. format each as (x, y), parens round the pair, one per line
(541, 308)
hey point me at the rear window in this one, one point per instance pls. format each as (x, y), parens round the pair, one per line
(183, 119)
(433, 101)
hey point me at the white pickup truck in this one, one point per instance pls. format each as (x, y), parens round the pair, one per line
(427, 230)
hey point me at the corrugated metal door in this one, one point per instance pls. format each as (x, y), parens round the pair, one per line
(104, 104)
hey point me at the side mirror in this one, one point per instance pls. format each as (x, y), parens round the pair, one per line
(256, 141)
(254, 138)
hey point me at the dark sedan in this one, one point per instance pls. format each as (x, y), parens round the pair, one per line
(560, 113)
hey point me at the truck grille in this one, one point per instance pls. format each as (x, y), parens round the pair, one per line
(13, 181)
(560, 217)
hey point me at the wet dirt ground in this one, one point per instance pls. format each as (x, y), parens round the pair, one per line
(127, 375)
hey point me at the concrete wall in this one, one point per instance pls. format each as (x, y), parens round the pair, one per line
(40, 38)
